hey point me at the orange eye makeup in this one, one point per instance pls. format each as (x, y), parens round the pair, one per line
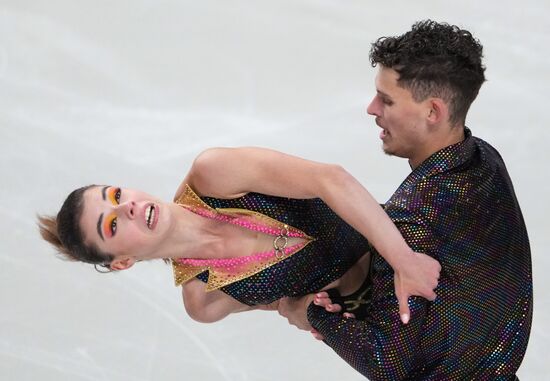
(114, 195)
(109, 225)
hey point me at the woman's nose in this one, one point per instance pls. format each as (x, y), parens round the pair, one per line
(128, 208)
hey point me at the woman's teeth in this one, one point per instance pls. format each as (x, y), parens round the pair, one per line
(150, 216)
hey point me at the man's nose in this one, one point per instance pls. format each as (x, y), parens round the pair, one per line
(128, 208)
(372, 108)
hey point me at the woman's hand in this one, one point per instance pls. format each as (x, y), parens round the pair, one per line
(415, 275)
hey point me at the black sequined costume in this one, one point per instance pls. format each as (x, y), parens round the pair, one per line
(334, 247)
(458, 206)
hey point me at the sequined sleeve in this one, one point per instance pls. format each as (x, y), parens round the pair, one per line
(381, 347)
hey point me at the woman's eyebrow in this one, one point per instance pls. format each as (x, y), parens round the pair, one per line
(104, 192)
(99, 222)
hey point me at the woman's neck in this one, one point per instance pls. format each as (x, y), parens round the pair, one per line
(191, 236)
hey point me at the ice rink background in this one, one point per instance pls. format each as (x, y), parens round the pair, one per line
(128, 92)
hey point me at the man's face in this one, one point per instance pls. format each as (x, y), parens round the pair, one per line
(405, 132)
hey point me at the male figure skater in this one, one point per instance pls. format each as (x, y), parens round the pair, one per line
(457, 205)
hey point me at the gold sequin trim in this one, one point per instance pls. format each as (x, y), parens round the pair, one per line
(219, 276)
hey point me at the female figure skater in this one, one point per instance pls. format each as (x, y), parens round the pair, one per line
(248, 227)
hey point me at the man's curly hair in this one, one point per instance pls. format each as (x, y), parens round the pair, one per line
(435, 60)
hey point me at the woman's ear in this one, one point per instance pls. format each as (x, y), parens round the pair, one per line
(122, 263)
(438, 112)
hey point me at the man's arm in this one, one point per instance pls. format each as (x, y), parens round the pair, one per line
(379, 347)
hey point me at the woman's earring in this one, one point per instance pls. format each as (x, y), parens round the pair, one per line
(106, 269)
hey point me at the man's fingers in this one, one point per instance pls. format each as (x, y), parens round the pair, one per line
(404, 311)
(326, 303)
(333, 308)
(321, 301)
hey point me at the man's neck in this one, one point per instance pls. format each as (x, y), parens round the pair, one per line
(452, 135)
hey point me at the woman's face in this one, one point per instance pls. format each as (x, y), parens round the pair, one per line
(124, 222)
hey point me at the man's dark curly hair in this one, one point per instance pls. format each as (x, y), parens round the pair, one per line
(435, 60)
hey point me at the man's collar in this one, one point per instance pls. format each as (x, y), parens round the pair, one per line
(445, 159)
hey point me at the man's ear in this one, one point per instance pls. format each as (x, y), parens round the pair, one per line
(438, 111)
(122, 263)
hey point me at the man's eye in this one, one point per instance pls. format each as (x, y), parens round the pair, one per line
(113, 226)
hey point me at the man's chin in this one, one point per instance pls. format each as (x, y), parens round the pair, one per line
(387, 150)
(391, 152)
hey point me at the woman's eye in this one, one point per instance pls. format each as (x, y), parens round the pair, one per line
(113, 226)
(117, 196)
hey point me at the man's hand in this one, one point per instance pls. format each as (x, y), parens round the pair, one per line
(322, 299)
(295, 310)
(417, 275)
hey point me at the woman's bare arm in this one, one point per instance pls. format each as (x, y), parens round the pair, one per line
(211, 306)
(233, 172)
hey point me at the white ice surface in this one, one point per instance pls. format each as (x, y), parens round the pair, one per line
(128, 92)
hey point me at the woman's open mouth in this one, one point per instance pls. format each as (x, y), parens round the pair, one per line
(151, 216)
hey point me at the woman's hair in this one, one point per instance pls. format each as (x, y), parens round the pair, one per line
(435, 60)
(65, 234)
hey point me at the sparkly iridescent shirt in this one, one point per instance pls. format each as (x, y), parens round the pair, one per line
(331, 247)
(458, 206)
